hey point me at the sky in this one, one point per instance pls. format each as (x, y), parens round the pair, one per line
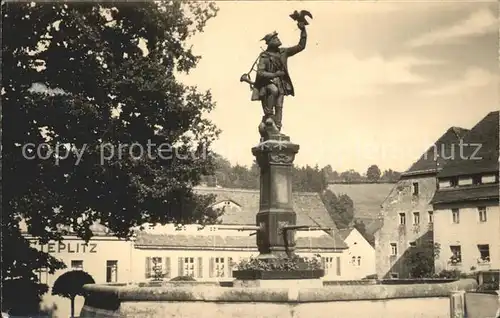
(378, 83)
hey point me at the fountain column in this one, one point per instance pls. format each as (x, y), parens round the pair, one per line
(275, 158)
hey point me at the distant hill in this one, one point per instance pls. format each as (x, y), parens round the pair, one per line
(367, 197)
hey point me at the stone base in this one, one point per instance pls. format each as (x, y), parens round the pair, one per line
(279, 283)
(373, 301)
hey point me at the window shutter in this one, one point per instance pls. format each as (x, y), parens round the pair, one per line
(229, 267)
(338, 266)
(181, 266)
(167, 267)
(211, 268)
(200, 267)
(323, 263)
(148, 267)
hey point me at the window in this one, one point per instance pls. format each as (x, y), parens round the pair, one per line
(111, 271)
(482, 214)
(415, 188)
(402, 218)
(394, 275)
(484, 253)
(353, 261)
(430, 215)
(43, 275)
(217, 267)
(456, 215)
(416, 218)
(413, 244)
(456, 254)
(465, 181)
(77, 265)
(188, 268)
(156, 268)
(489, 179)
(359, 260)
(394, 249)
(338, 266)
(327, 265)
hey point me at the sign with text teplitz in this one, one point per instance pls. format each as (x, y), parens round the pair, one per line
(67, 247)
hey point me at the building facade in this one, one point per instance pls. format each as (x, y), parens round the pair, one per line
(212, 253)
(106, 258)
(207, 254)
(467, 216)
(407, 214)
(360, 255)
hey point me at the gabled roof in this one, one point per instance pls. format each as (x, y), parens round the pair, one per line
(480, 150)
(432, 160)
(344, 233)
(466, 194)
(309, 207)
(479, 155)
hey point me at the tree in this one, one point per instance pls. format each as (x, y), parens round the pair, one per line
(340, 208)
(420, 259)
(70, 285)
(86, 79)
(351, 176)
(390, 176)
(373, 173)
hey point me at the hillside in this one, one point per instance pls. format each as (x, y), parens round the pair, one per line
(367, 197)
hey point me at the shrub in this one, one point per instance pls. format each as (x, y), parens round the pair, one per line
(70, 285)
(372, 276)
(420, 260)
(280, 264)
(183, 279)
(488, 287)
(450, 274)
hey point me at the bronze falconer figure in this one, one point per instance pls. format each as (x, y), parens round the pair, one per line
(272, 82)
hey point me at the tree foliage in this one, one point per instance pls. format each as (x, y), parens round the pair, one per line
(74, 74)
(373, 173)
(420, 259)
(70, 284)
(340, 208)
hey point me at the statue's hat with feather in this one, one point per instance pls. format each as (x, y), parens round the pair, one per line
(269, 37)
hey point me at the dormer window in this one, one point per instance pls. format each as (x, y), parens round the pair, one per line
(489, 179)
(454, 182)
(465, 181)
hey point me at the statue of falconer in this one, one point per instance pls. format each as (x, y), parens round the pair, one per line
(272, 81)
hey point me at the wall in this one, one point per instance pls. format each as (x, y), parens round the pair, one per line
(468, 233)
(359, 247)
(401, 200)
(99, 250)
(377, 301)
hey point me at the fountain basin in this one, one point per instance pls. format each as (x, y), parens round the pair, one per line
(415, 300)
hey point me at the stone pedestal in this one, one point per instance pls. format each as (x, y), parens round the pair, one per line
(275, 157)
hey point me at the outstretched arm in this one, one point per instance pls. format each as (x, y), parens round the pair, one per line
(291, 51)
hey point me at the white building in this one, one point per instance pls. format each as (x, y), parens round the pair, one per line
(360, 258)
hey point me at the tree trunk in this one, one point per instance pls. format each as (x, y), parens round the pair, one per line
(73, 307)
